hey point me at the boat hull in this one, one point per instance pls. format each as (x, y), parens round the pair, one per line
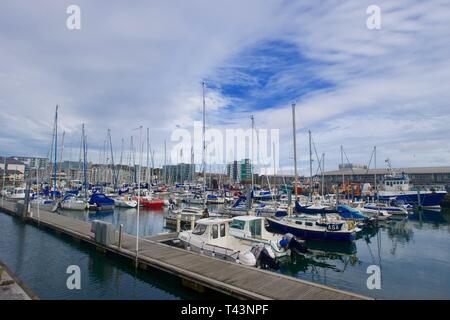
(427, 198)
(284, 228)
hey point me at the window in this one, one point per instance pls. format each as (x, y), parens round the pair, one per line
(309, 224)
(199, 229)
(222, 230)
(215, 231)
(237, 224)
(255, 227)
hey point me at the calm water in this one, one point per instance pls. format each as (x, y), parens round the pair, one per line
(40, 258)
(413, 255)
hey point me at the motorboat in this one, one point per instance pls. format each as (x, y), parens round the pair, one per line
(211, 237)
(375, 207)
(125, 202)
(252, 229)
(17, 193)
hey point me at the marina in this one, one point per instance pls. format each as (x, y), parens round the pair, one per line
(218, 275)
(336, 265)
(225, 151)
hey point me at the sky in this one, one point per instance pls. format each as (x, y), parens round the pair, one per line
(143, 64)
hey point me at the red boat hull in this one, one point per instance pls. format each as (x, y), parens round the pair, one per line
(152, 203)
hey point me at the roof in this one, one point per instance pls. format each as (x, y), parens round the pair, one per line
(210, 221)
(412, 170)
(11, 161)
(247, 218)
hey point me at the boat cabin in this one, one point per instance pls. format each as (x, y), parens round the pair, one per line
(212, 230)
(396, 183)
(248, 227)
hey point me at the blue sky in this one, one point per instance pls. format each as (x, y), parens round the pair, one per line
(143, 64)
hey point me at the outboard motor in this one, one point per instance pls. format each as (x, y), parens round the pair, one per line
(264, 259)
(291, 242)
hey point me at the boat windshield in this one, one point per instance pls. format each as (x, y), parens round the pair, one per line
(199, 229)
(237, 224)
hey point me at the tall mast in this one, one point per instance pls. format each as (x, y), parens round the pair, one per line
(139, 192)
(148, 158)
(121, 158)
(342, 166)
(56, 146)
(112, 160)
(310, 165)
(204, 145)
(323, 173)
(133, 156)
(152, 171)
(295, 150)
(85, 183)
(253, 152)
(165, 162)
(192, 165)
(375, 173)
(61, 157)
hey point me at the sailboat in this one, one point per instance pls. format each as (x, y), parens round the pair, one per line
(324, 227)
(71, 201)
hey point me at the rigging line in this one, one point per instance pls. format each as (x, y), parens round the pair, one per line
(348, 161)
(370, 161)
(317, 156)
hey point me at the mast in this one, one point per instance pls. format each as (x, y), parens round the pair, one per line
(295, 150)
(121, 158)
(148, 158)
(204, 146)
(310, 166)
(253, 152)
(4, 177)
(274, 169)
(192, 165)
(85, 183)
(139, 192)
(375, 173)
(152, 171)
(61, 157)
(342, 167)
(133, 156)
(112, 160)
(323, 173)
(165, 162)
(56, 146)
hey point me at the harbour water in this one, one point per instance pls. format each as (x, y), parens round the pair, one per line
(40, 259)
(412, 255)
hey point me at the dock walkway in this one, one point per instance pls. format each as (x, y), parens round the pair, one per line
(196, 270)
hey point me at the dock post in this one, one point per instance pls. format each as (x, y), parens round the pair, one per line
(178, 222)
(26, 202)
(192, 222)
(120, 236)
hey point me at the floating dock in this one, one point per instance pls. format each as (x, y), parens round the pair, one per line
(12, 288)
(196, 271)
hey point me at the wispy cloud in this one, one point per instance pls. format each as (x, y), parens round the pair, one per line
(144, 64)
